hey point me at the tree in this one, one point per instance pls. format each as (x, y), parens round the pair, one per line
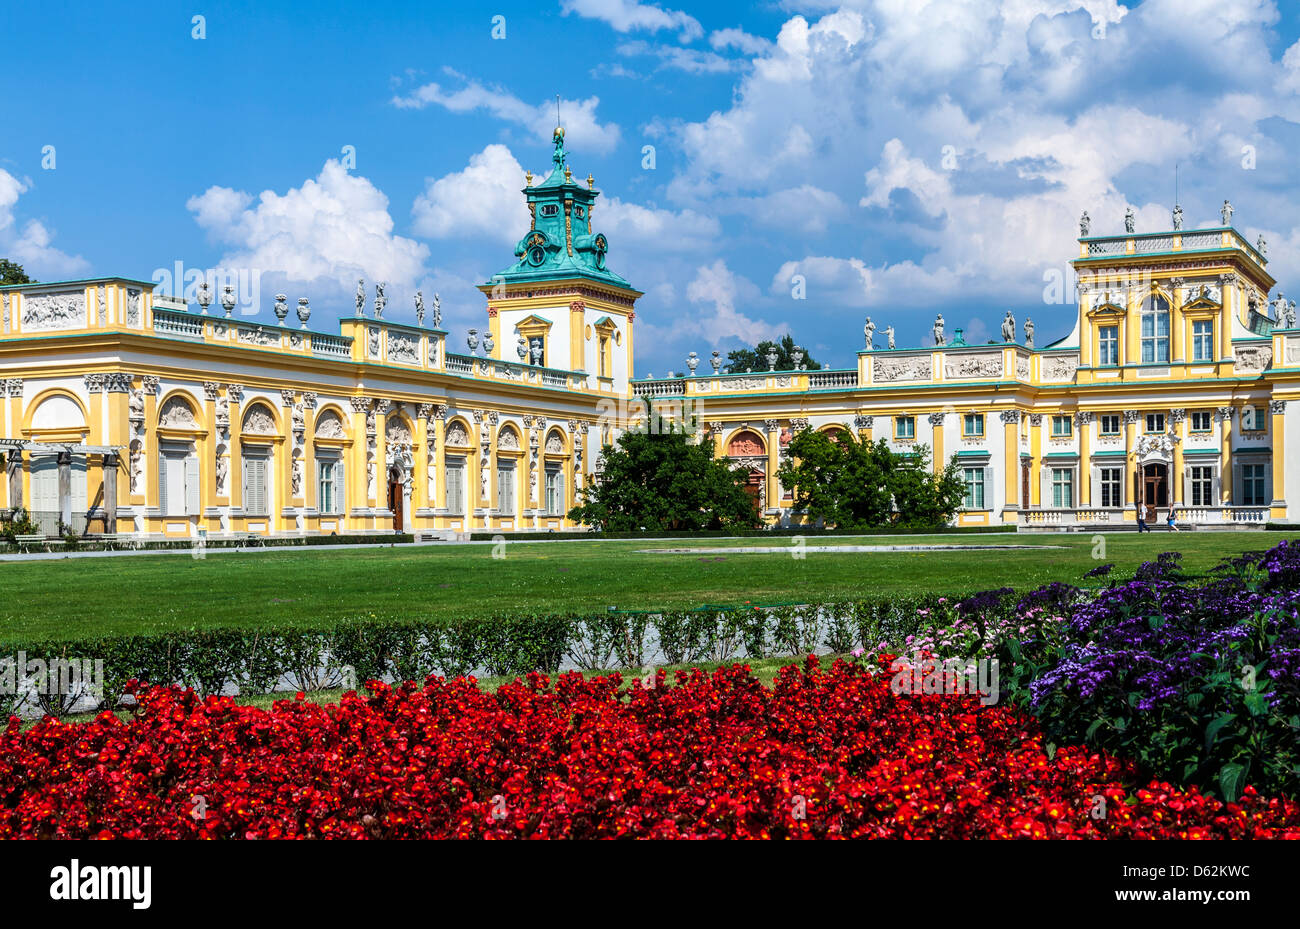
(13, 273)
(664, 481)
(854, 484)
(755, 359)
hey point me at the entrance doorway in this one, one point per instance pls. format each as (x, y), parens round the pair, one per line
(395, 489)
(1154, 485)
(754, 486)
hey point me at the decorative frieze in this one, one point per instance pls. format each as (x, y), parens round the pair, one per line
(862, 421)
(936, 419)
(49, 312)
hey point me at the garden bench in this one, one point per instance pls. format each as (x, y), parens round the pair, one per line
(25, 542)
(115, 540)
(250, 539)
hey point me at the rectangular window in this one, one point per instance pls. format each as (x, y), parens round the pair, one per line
(1253, 481)
(506, 490)
(554, 491)
(1202, 484)
(973, 425)
(905, 427)
(1062, 427)
(1155, 422)
(456, 486)
(255, 485)
(1155, 338)
(1201, 421)
(329, 486)
(178, 483)
(974, 478)
(1108, 345)
(1062, 488)
(1111, 483)
(1110, 424)
(1203, 340)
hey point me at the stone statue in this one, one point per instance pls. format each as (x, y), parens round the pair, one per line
(1029, 332)
(537, 351)
(1085, 225)
(1261, 246)
(938, 330)
(137, 468)
(1290, 315)
(869, 333)
(295, 478)
(135, 403)
(437, 312)
(380, 300)
(299, 418)
(1130, 220)
(223, 468)
(223, 412)
(889, 334)
(1226, 213)
(521, 349)
(1178, 217)
(361, 297)
(1008, 327)
(419, 308)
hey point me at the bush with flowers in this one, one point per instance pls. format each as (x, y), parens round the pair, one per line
(821, 753)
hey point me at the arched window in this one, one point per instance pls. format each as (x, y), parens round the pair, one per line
(1155, 330)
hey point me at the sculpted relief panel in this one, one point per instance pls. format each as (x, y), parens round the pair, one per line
(910, 368)
(984, 364)
(1253, 357)
(1060, 367)
(44, 312)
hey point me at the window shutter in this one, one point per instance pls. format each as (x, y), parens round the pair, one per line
(192, 485)
(162, 484)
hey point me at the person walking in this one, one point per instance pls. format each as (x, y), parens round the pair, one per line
(1172, 522)
(1142, 517)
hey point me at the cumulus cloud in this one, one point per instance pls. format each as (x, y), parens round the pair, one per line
(718, 286)
(583, 131)
(332, 229)
(630, 16)
(30, 244)
(483, 200)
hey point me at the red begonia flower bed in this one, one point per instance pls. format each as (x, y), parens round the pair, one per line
(822, 753)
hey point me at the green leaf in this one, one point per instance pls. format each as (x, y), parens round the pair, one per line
(1232, 779)
(1212, 730)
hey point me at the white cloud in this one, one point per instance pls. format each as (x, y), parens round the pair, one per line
(716, 284)
(689, 60)
(722, 39)
(629, 16)
(334, 228)
(30, 244)
(484, 200)
(582, 130)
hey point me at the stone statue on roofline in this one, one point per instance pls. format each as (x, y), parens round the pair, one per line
(437, 312)
(1226, 213)
(1178, 217)
(1029, 332)
(938, 330)
(889, 335)
(1008, 327)
(1130, 220)
(361, 297)
(869, 333)
(1085, 225)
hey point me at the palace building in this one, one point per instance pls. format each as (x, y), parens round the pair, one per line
(128, 412)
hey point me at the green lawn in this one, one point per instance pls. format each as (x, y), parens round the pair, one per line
(78, 597)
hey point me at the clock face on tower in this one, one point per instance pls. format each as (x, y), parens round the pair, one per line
(601, 247)
(536, 249)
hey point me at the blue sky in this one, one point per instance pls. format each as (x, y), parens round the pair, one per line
(901, 157)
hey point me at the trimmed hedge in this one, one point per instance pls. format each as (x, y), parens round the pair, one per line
(93, 544)
(256, 660)
(482, 536)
